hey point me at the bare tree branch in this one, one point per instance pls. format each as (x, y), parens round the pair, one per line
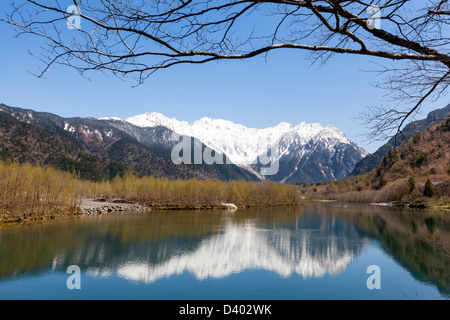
(138, 37)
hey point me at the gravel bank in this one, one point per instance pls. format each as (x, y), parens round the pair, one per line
(98, 206)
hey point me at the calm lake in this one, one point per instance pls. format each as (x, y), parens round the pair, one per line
(313, 251)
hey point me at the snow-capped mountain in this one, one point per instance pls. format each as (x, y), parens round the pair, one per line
(121, 144)
(307, 152)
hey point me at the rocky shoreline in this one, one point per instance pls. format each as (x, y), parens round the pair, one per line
(100, 206)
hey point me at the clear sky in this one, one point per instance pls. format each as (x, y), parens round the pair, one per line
(259, 92)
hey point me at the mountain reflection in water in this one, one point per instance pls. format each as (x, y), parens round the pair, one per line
(308, 251)
(310, 241)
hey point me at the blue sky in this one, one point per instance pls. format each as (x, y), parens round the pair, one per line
(258, 93)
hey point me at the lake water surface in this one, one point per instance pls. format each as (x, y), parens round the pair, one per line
(313, 251)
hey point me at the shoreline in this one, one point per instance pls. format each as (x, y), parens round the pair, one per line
(102, 206)
(436, 206)
(87, 207)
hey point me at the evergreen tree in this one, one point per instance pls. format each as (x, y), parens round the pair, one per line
(429, 189)
(412, 184)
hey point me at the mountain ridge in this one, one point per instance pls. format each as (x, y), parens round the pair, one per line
(306, 152)
(371, 161)
(100, 139)
(416, 173)
(245, 146)
(305, 130)
(22, 142)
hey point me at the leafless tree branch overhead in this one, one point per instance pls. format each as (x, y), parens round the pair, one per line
(137, 37)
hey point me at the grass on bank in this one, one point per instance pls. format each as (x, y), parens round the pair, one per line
(32, 192)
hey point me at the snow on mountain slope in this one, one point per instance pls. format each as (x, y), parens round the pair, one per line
(244, 145)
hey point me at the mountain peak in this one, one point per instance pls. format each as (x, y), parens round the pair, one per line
(333, 127)
(284, 125)
(206, 119)
(243, 145)
(147, 119)
(307, 152)
(154, 114)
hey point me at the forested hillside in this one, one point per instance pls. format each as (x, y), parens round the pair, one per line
(22, 142)
(415, 173)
